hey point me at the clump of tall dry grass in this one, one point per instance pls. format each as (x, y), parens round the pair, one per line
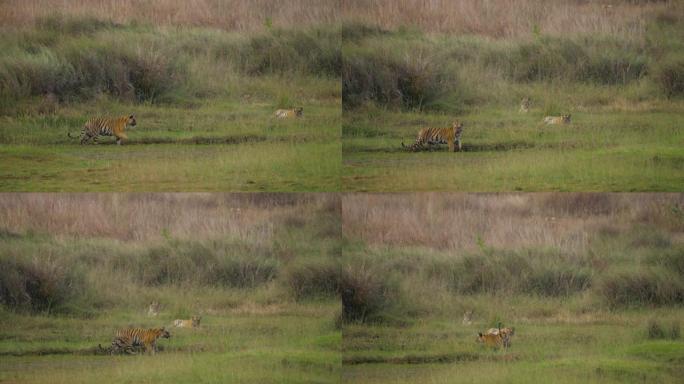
(508, 221)
(235, 15)
(155, 215)
(508, 18)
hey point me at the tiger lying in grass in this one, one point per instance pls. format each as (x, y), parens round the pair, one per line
(194, 322)
(562, 119)
(288, 113)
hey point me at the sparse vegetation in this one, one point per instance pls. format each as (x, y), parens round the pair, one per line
(75, 268)
(573, 273)
(415, 64)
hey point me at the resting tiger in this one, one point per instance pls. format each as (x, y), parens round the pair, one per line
(105, 126)
(562, 119)
(127, 339)
(287, 113)
(434, 136)
(194, 322)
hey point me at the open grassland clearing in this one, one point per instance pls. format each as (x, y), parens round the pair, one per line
(260, 270)
(592, 284)
(623, 92)
(204, 100)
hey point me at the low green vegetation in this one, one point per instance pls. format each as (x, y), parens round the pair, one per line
(203, 98)
(594, 294)
(256, 272)
(624, 96)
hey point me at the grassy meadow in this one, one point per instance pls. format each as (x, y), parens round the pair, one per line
(203, 87)
(75, 268)
(592, 284)
(616, 70)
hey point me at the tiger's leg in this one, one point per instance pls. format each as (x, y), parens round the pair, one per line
(460, 147)
(120, 137)
(451, 146)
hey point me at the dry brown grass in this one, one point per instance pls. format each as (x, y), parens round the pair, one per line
(506, 221)
(509, 18)
(237, 15)
(132, 216)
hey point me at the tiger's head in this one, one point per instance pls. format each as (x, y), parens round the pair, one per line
(299, 111)
(164, 333)
(565, 118)
(457, 126)
(196, 321)
(131, 121)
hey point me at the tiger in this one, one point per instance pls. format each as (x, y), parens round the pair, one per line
(288, 113)
(126, 340)
(525, 104)
(153, 309)
(505, 332)
(194, 322)
(106, 126)
(433, 136)
(468, 317)
(494, 341)
(562, 119)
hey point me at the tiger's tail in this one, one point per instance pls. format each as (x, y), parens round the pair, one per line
(413, 147)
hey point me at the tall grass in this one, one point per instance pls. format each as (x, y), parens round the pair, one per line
(79, 253)
(415, 254)
(76, 59)
(504, 18)
(234, 15)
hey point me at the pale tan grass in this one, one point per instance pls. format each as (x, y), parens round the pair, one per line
(237, 15)
(507, 221)
(149, 216)
(509, 18)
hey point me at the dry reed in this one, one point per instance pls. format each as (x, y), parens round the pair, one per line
(235, 15)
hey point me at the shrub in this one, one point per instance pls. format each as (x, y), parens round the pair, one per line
(641, 288)
(38, 286)
(366, 296)
(313, 279)
(658, 331)
(410, 82)
(669, 75)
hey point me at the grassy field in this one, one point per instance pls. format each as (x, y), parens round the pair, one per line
(70, 278)
(204, 99)
(591, 283)
(623, 91)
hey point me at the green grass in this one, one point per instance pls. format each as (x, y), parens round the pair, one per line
(219, 145)
(292, 345)
(599, 348)
(508, 151)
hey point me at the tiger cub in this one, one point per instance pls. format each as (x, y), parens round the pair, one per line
(153, 309)
(433, 136)
(126, 340)
(525, 104)
(194, 322)
(288, 113)
(106, 126)
(506, 333)
(562, 119)
(494, 341)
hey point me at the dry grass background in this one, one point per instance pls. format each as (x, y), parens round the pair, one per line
(506, 221)
(508, 18)
(237, 15)
(150, 216)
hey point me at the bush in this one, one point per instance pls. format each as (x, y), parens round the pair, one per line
(641, 288)
(313, 279)
(410, 82)
(669, 75)
(658, 331)
(366, 297)
(38, 286)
